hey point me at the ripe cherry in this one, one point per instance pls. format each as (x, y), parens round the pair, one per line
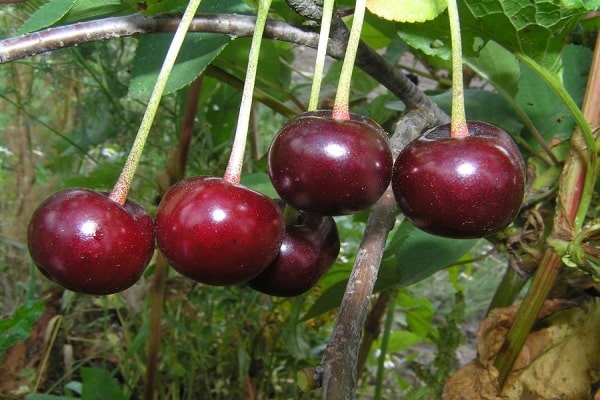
(465, 187)
(217, 232)
(323, 165)
(309, 248)
(89, 243)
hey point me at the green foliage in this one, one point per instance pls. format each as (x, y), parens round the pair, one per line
(47, 15)
(536, 28)
(447, 339)
(79, 109)
(95, 381)
(407, 259)
(18, 327)
(198, 51)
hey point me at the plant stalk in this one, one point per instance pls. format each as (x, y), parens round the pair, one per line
(315, 90)
(233, 171)
(574, 196)
(389, 319)
(121, 188)
(159, 283)
(342, 97)
(527, 313)
(458, 123)
(583, 142)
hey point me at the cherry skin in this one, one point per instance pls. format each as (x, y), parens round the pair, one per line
(460, 187)
(216, 232)
(88, 243)
(321, 165)
(309, 248)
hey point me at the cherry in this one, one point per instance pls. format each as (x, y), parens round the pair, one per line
(89, 243)
(217, 232)
(462, 187)
(310, 246)
(319, 164)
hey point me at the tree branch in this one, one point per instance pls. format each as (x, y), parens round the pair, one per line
(338, 367)
(371, 62)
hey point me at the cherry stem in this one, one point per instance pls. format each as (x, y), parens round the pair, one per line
(121, 188)
(233, 171)
(321, 53)
(458, 123)
(341, 108)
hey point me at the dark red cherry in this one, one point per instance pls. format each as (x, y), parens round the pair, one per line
(309, 248)
(89, 243)
(216, 232)
(322, 165)
(460, 187)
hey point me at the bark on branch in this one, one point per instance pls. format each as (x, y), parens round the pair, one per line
(371, 62)
(338, 367)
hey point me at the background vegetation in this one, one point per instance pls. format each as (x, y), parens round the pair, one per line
(67, 119)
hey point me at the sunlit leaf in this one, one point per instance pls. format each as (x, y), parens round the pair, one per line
(535, 28)
(46, 15)
(407, 10)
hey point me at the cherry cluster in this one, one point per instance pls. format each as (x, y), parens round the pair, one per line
(222, 233)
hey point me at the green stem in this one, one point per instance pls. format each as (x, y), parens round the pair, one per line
(341, 103)
(458, 123)
(509, 288)
(586, 132)
(121, 189)
(321, 54)
(527, 314)
(233, 171)
(387, 329)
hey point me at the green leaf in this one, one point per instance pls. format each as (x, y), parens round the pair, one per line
(47, 397)
(18, 327)
(226, 7)
(259, 182)
(412, 255)
(198, 50)
(402, 340)
(537, 28)
(89, 9)
(102, 177)
(151, 7)
(419, 313)
(551, 117)
(47, 15)
(99, 384)
(291, 334)
(407, 10)
(431, 37)
(498, 66)
(478, 103)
